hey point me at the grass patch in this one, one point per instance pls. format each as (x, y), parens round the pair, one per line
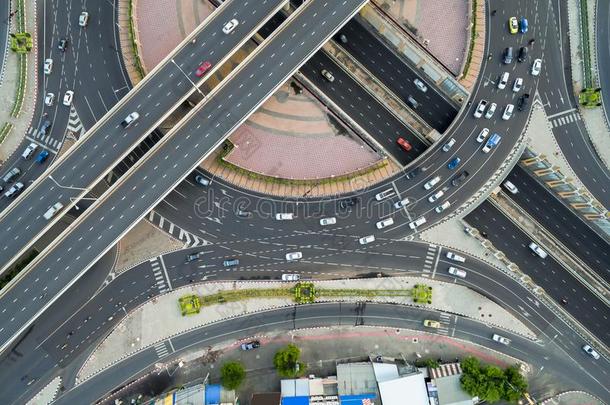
(134, 44)
(21, 84)
(584, 39)
(228, 147)
(473, 35)
(189, 305)
(16, 269)
(6, 129)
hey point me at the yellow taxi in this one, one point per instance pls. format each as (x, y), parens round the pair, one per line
(432, 324)
(513, 25)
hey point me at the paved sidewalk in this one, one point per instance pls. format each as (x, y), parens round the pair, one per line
(8, 86)
(47, 394)
(594, 119)
(160, 318)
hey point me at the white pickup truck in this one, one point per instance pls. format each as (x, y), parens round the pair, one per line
(53, 210)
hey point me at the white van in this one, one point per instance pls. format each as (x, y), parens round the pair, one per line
(418, 222)
(284, 216)
(538, 250)
(386, 222)
(384, 194)
(432, 182)
(455, 257)
(52, 210)
(511, 187)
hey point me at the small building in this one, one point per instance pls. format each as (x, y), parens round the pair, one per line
(200, 394)
(445, 387)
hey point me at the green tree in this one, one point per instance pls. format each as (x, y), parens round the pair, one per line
(286, 362)
(232, 374)
(516, 386)
(490, 383)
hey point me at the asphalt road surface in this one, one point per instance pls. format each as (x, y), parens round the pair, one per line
(562, 223)
(397, 75)
(184, 152)
(90, 159)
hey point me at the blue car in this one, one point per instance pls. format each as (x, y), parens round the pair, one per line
(454, 162)
(523, 25)
(42, 156)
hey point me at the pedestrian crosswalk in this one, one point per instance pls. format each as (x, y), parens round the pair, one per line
(445, 320)
(43, 139)
(188, 238)
(566, 119)
(161, 349)
(159, 276)
(430, 258)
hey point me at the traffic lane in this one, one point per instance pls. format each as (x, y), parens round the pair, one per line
(32, 359)
(603, 51)
(391, 316)
(97, 153)
(365, 110)
(397, 74)
(557, 219)
(149, 185)
(548, 274)
(575, 144)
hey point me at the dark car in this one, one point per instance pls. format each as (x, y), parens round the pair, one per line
(462, 176)
(413, 173)
(508, 55)
(192, 256)
(44, 126)
(523, 102)
(62, 45)
(522, 54)
(255, 344)
(42, 156)
(349, 202)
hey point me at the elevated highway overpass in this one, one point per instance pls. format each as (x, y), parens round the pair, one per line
(107, 142)
(173, 158)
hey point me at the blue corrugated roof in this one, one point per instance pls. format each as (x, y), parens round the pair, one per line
(355, 399)
(212, 394)
(295, 401)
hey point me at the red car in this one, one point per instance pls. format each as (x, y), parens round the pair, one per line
(203, 68)
(404, 144)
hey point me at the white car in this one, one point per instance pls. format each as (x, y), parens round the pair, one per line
(491, 110)
(518, 84)
(442, 207)
(327, 75)
(68, 98)
(130, 119)
(432, 182)
(294, 256)
(501, 339)
(538, 250)
(511, 187)
(27, 153)
(455, 257)
(366, 239)
(536, 67)
(503, 81)
(420, 85)
(399, 204)
(291, 277)
(448, 145)
(478, 113)
(436, 196)
(383, 223)
(284, 216)
(49, 99)
(48, 66)
(591, 352)
(83, 19)
(454, 271)
(384, 194)
(508, 112)
(230, 26)
(482, 135)
(418, 222)
(328, 221)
